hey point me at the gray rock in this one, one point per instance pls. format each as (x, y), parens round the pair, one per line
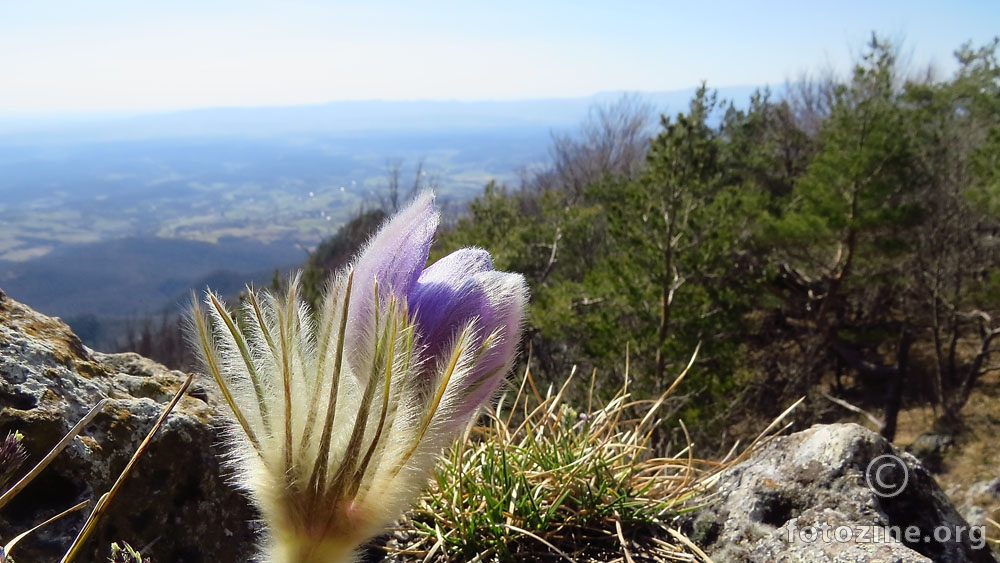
(978, 501)
(805, 497)
(176, 506)
(931, 449)
(989, 488)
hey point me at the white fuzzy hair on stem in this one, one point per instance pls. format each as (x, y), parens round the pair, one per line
(338, 416)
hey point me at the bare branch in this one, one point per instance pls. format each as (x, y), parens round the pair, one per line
(871, 418)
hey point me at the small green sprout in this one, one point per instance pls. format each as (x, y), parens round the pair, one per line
(124, 553)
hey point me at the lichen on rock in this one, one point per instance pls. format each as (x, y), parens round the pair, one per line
(177, 501)
(791, 497)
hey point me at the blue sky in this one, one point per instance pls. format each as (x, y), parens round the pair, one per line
(68, 56)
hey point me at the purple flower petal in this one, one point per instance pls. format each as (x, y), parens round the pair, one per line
(444, 298)
(445, 301)
(442, 310)
(447, 296)
(457, 266)
(396, 255)
(508, 297)
(395, 258)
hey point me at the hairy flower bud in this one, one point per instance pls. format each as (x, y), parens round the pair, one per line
(340, 415)
(12, 455)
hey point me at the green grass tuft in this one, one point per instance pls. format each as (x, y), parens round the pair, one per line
(543, 482)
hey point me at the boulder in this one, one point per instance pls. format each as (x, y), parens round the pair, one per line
(931, 449)
(806, 497)
(176, 506)
(978, 501)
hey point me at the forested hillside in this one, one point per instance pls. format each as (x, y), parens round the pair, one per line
(838, 241)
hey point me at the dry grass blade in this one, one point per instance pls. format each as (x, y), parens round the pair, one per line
(5, 552)
(621, 538)
(769, 431)
(56, 450)
(101, 507)
(690, 545)
(542, 540)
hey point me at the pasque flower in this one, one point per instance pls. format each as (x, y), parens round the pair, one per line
(339, 415)
(12, 455)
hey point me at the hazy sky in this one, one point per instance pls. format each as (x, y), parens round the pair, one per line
(62, 56)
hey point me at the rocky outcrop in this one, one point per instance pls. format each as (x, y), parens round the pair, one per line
(979, 501)
(806, 497)
(931, 449)
(803, 497)
(176, 506)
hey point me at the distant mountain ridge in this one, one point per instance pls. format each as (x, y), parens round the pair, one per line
(342, 116)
